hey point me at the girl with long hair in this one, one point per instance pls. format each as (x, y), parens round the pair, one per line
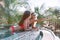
(23, 23)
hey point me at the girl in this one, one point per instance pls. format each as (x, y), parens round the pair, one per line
(34, 20)
(34, 17)
(26, 20)
(24, 23)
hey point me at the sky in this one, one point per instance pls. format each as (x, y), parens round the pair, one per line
(47, 3)
(38, 3)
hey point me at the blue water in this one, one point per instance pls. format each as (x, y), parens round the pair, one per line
(4, 34)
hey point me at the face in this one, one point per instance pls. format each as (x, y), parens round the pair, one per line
(30, 16)
(33, 16)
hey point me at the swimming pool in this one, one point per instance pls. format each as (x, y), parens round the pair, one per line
(4, 34)
(27, 35)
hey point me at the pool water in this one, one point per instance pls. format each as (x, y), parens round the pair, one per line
(26, 35)
(4, 34)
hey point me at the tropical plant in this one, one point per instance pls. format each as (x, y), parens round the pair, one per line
(14, 4)
(55, 17)
(39, 15)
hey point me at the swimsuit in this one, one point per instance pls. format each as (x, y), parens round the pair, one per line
(13, 28)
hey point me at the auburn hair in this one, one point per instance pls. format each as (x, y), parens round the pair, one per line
(26, 14)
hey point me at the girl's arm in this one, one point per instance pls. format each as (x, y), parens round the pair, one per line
(39, 20)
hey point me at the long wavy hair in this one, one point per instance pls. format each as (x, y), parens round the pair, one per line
(26, 14)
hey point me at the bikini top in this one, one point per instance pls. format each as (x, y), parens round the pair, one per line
(22, 27)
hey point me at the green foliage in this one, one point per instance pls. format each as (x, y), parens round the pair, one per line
(6, 12)
(55, 20)
(39, 15)
(8, 2)
(37, 11)
(54, 11)
(11, 15)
